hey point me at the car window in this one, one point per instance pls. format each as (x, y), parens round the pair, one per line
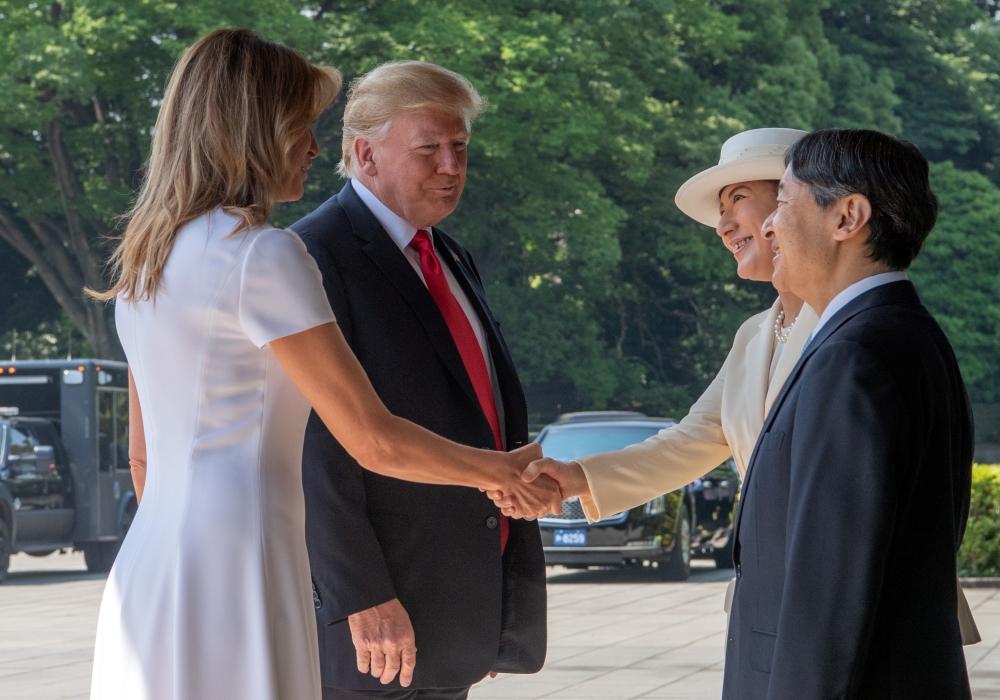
(570, 443)
(20, 441)
(46, 434)
(20, 447)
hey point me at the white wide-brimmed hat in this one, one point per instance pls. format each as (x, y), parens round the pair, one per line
(758, 154)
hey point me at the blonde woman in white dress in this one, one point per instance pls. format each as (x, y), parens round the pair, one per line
(230, 339)
(734, 197)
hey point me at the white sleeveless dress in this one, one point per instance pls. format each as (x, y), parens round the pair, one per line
(210, 597)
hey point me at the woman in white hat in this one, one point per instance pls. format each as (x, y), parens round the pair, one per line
(735, 197)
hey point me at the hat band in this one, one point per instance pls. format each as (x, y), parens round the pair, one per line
(753, 152)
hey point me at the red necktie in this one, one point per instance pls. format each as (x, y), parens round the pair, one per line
(465, 340)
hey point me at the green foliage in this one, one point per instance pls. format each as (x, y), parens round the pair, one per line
(599, 110)
(568, 208)
(980, 551)
(958, 274)
(943, 57)
(49, 340)
(80, 84)
(24, 300)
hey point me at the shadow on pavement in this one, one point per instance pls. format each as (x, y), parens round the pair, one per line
(699, 574)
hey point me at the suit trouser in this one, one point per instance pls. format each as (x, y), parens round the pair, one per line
(404, 694)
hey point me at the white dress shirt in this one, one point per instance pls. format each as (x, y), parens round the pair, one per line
(402, 233)
(852, 293)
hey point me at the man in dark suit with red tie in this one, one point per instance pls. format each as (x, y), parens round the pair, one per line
(401, 568)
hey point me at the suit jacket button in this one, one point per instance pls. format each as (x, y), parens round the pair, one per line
(317, 603)
(492, 522)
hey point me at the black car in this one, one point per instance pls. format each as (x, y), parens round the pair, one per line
(663, 533)
(35, 472)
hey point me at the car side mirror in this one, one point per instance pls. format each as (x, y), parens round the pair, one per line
(45, 455)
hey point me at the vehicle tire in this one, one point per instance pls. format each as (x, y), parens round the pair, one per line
(127, 517)
(679, 566)
(40, 554)
(5, 547)
(99, 556)
(724, 556)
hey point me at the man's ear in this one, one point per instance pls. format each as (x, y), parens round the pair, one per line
(364, 156)
(853, 213)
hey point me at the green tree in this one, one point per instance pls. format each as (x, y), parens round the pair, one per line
(958, 274)
(580, 152)
(71, 84)
(943, 57)
(80, 84)
(599, 110)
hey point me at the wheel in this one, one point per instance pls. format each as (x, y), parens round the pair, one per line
(724, 556)
(127, 517)
(40, 554)
(679, 566)
(100, 556)
(5, 545)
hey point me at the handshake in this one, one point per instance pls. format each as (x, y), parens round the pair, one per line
(535, 486)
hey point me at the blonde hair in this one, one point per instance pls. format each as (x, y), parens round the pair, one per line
(392, 89)
(233, 109)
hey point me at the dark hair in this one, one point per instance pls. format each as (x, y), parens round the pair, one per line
(890, 172)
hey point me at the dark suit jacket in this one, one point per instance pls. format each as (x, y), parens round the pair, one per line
(853, 508)
(372, 538)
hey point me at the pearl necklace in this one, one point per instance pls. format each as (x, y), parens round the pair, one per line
(781, 334)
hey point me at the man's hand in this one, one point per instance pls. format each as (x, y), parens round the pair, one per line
(384, 640)
(526, 499)
(569, 476)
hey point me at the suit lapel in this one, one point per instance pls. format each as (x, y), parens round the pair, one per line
(507, 380)
(387, 256)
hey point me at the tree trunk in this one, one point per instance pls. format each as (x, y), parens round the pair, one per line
(67, 260)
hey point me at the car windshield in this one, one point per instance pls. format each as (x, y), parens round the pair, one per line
(565, 444)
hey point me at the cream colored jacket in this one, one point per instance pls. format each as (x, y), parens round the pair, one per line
(725, 421)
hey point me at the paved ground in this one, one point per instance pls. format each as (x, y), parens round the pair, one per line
(611, 635)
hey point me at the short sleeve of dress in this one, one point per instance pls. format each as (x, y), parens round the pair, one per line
(281, 289)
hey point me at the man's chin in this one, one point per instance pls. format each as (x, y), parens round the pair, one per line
(778, 279)
(443, 208)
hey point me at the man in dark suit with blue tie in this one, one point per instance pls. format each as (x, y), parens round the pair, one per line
(856, 497)
(402, 569)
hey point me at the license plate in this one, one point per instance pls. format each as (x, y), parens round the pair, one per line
(569, 538)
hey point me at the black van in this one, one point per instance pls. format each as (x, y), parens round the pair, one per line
(65, 480)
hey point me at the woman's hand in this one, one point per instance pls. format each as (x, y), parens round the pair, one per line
(568, 477)
(524, 499)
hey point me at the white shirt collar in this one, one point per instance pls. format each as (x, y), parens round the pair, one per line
(400, 230)
(853, 292)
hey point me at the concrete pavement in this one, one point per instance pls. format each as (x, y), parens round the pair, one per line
(612, 634)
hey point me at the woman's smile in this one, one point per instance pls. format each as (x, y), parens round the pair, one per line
(739, 244)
